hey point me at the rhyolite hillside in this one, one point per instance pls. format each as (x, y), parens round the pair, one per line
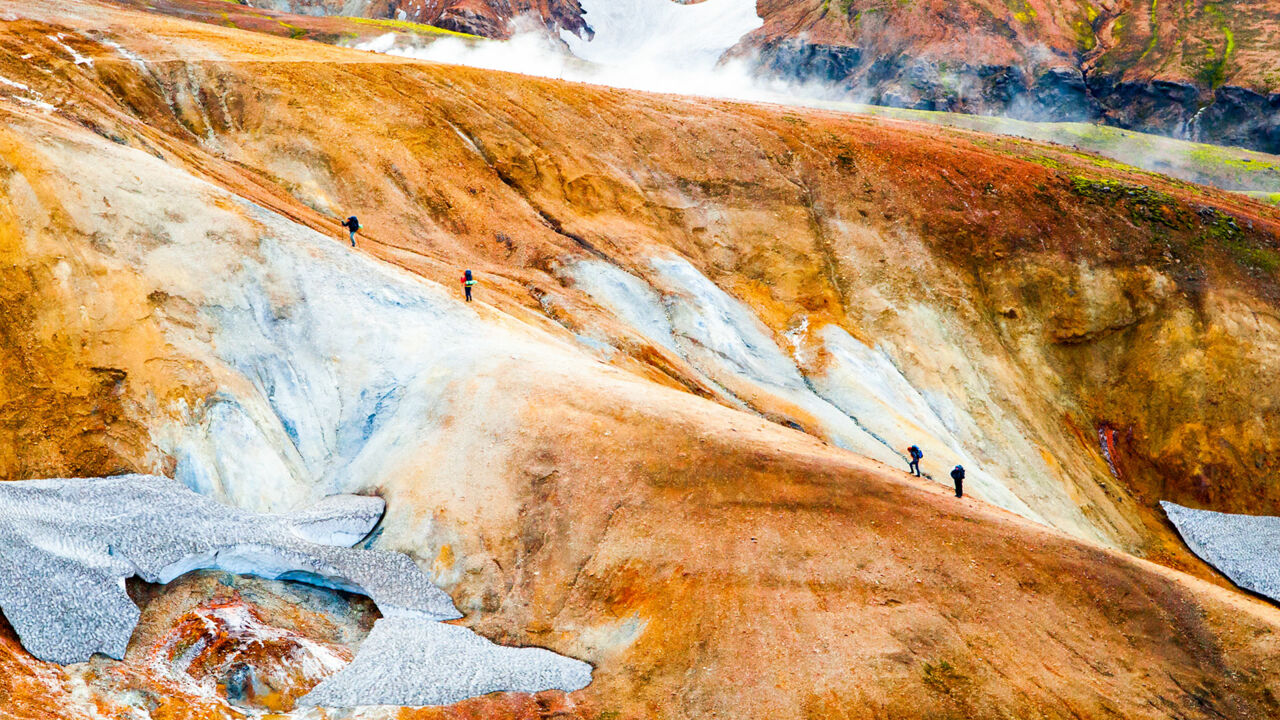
(668, 439)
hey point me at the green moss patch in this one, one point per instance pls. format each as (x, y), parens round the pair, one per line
(412, 27)
(1142, 204)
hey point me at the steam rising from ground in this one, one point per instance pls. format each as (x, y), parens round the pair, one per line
(662, 33)
(652, 45)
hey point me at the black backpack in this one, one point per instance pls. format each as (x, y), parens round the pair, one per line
(352, 223)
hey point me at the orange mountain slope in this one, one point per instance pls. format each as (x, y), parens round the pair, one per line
(663, 440)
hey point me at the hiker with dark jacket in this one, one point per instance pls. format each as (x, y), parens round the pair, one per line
(957, 474)
(468, 281)
(916, 455)
(352, 225)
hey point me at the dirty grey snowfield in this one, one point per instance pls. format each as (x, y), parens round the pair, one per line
(69, 545)
(410, 661)
(1245, 548)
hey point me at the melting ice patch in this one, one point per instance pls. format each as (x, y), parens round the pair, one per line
(1242, 547)
(408, 662)
(69, 545)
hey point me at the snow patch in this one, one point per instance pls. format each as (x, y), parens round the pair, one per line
(126, 53)
(35, 99)
(75, 56)
(411, 662)
(15, 84)
(1242, 547)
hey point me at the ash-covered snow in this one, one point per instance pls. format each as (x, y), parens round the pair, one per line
(410, 661)
(338, 519)
(1245, 548)
(69, 545)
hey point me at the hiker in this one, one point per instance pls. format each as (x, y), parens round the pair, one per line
(352, 225)
(916, 455)
(467, 283)
(957, 474)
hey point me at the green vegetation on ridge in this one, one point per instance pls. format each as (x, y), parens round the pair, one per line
(1228, 168)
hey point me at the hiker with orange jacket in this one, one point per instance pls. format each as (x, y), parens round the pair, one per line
(916, 455)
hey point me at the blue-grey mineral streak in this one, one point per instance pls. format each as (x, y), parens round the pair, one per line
(67, 546)
(1245, 548)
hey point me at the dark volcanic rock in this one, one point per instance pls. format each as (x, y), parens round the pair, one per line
(1240, 116)
(1062, 94)
(794, 58)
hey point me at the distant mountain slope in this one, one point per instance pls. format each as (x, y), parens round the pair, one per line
(1205, 70)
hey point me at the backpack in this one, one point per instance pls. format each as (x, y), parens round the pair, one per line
(352, 223)
(915, 452)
